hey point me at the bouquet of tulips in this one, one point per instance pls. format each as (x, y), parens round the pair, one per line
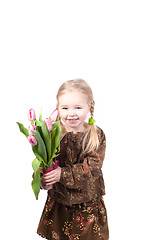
(44, 137)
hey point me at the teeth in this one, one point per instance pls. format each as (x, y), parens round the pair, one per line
(72, 119)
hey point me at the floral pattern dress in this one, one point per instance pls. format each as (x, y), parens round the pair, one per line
(75, 208)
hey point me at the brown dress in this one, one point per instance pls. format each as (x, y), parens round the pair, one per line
(74, 208)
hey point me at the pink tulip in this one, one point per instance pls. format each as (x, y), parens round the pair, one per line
(31, 114)
(54, 116)
(32, 140)
(30, 128)
(48, 124)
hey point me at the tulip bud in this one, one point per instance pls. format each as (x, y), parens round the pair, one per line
(54, 116)
(31, 114)
(32, 140)
(30, 128)
(48, 124)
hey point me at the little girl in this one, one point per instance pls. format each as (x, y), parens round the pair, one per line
(75, 208)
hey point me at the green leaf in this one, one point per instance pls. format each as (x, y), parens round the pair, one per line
(35, 151)
(35, 164)
(37, 123)
(23, 129)
(55, 138)
(41, 149)
(46, 137)
(91, 121)
(53, 133)
(59, 118)
(32, 122)
(40, 116)
(50, 163)
(36, 181)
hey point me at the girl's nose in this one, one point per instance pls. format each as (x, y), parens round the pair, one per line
(72, 113)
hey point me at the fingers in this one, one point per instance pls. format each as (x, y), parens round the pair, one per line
(47, 179)
(51, 181)
(46, 186)
(55, 174)
(49, 175)
(51, 178)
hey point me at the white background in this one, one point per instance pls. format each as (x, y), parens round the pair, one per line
(114, 46)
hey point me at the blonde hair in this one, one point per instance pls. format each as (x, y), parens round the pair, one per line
(90, 141)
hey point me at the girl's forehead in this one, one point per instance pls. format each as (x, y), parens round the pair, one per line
(72, 97)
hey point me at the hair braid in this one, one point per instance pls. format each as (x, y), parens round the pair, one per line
(92, 108)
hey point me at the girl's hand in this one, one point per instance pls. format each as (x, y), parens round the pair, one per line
(50, 178)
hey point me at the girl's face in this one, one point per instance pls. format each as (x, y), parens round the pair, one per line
(73, 108)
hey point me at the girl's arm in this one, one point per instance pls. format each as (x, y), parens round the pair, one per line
(79, 175)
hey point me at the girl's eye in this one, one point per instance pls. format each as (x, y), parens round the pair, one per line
(64, 108)
(78, 108)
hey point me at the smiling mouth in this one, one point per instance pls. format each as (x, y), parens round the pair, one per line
(72, 120)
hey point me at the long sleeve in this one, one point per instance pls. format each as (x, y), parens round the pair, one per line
(82, 175)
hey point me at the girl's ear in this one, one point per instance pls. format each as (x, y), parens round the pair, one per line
(89, 106)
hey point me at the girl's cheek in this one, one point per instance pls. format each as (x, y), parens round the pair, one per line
(63, 117)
